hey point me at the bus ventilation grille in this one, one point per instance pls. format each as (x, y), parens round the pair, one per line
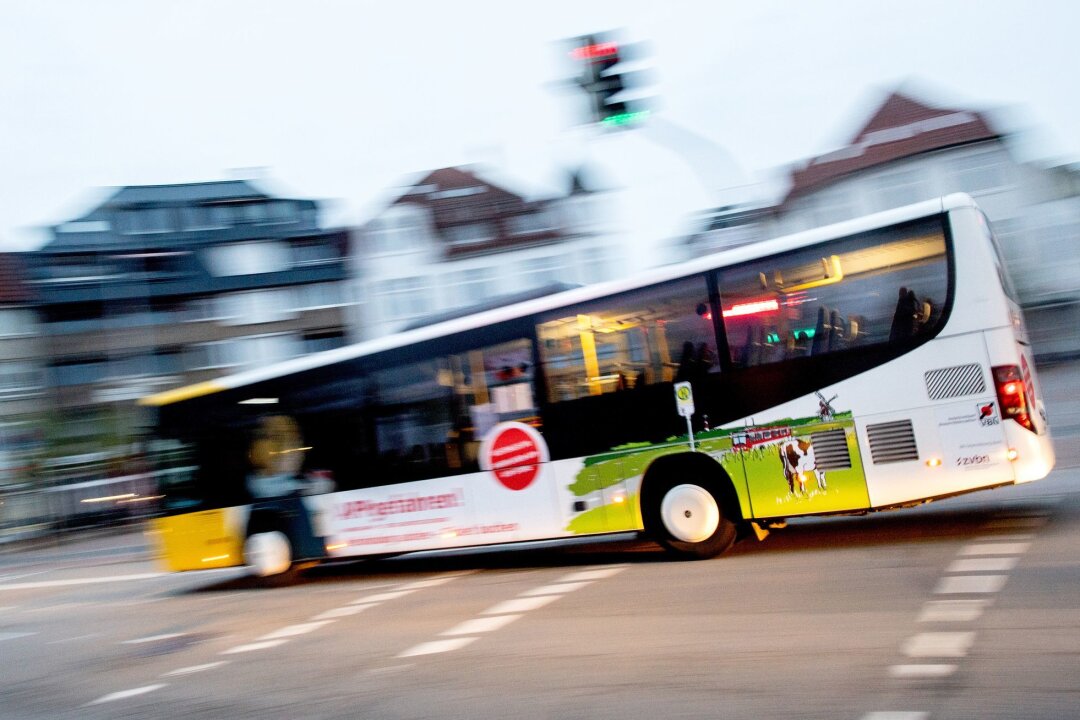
(955, 382)
(831, 450)
(892, 442)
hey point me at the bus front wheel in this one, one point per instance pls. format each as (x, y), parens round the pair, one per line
(687, 518)
(268, 553)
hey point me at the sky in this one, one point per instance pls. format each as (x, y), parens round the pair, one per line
(343, 101)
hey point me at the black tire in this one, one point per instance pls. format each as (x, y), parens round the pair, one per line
(696, 538)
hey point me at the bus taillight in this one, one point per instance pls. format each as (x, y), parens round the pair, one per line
(1012, 396)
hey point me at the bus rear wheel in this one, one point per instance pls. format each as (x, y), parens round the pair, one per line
(687, 519)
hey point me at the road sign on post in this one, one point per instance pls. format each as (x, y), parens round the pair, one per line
(684, 403)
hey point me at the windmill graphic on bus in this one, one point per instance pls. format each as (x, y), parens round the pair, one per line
(825, 409)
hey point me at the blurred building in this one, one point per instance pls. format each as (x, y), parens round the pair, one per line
(22, 382)
(165, 285)
(909, 150)
(454, 240)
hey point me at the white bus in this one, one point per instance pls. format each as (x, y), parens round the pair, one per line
(873, 364)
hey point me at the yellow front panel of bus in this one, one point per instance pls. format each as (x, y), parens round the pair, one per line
(201, 540)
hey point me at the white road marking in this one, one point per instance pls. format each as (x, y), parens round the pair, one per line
(390, 669)
(152, 638)
(437, 646)
(996, 549)
(520, 605)
(1014, 537)
(939, 644)
(191, 669)
(952, 610)
(73, 639)
(992, 564)
(956, 584)
(481, 625)
(23, 575)
(294, 630)
(264, 645)
(597, 574)
(341, 612)
(79, 581)
(557, 588)
(126, 694)
(5, 608)
(15, 635)
(921, 671)
(382, 597)
(889, 715)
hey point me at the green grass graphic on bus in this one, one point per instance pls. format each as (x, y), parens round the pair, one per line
(785, 468)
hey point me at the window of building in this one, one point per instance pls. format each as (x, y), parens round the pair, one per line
(660, 334)
(403, 298)
(254, 306)
(473, 286)
(17, 321)
(471, 233)
(199, 217)
(313, 253)
(247, 258)
(19, 378)
(320, 341)
(79, 372)
(540, 272)
(900, 188)
(317, 295)
(530, 223)
(979, 173)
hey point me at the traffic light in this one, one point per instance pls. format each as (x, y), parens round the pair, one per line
(603, 79)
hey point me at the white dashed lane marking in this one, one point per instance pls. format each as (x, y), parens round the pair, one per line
(152, 638)
(921, 671)
(503, 613)
(294, 630)
(895, 716)
(78, 581)
(1018, 548)
(481, 625)
(15, 635)
(437, 646)
(952, 610)
(980, 564)
(126, 694)
(939, 644)
(192, 669)
(521, 604)
(965, 584)
(251, 647)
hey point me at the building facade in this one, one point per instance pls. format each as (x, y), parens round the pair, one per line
(454, 240)
(165, 285)
(909, 150)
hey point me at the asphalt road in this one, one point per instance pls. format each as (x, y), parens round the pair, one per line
(968, 608)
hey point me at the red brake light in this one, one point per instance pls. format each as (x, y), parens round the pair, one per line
(1012, 395)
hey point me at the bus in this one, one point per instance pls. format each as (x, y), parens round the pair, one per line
(873, 364)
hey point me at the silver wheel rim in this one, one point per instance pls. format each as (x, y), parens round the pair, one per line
(690, 513)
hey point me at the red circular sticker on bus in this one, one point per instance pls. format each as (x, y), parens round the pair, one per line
(513, 452)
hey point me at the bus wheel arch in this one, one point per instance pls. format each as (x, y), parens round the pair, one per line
(689, 506)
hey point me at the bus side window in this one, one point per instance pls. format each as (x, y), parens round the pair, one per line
(664, 333)
(876, 288)
(430, 416)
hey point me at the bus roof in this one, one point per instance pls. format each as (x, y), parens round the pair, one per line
(569, 297)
